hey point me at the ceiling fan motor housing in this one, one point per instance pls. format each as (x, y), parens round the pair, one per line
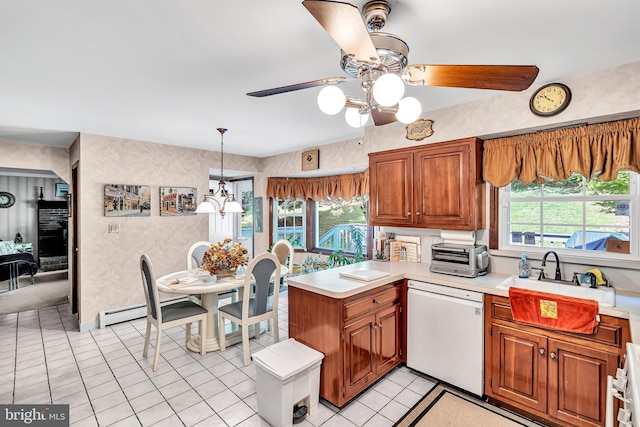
(393, 53)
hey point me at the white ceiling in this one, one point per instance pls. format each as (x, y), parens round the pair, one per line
(172, 71)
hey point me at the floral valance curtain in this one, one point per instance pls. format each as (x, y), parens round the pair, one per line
(598, 150)
(319, 188)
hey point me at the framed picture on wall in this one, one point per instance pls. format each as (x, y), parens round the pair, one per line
(177, 201)
(62, 189)
(127, 200)
(257, 214)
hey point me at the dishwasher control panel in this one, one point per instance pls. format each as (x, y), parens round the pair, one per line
(446, 290)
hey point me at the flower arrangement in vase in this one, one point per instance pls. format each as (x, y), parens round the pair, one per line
(223, 258)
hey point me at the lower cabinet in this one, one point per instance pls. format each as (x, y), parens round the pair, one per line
(360, 336)
(554, 376)
(371, 348)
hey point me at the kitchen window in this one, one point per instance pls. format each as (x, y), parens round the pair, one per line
(576, 217)
(332, 224)
(289, 218)
(341, 225)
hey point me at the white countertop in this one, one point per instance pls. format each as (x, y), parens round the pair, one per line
(329, 283)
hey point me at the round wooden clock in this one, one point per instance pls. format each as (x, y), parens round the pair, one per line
(550, 99)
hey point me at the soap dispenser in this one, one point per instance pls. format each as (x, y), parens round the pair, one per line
(523, 267)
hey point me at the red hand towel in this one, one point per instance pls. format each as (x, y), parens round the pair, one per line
(553, 311)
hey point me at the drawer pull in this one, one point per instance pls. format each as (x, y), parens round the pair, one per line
(552, 355)
(541, 351)
(376, 301)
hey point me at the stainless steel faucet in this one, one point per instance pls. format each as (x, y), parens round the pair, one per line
(544, 263)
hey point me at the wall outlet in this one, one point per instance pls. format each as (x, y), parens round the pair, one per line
(114, 228)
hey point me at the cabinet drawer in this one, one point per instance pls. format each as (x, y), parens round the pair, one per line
(609, 332)
(371, 301)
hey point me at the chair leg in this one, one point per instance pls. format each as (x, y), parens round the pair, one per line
(256, 330)
(245, 344)
(187, 337)
(202, 328)
(157, 355)
(269, 325)
(221, 337)
(276, 330)
(147, 337)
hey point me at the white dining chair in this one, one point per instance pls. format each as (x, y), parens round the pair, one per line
(284, 250)
(167, 316)
(257, 308)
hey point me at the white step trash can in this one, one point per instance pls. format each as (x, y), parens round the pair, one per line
(287, 373)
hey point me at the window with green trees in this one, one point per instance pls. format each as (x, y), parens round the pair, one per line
(591, 216)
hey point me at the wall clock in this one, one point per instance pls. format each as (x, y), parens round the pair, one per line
(311, 160)
(550, 99)
(6, 199)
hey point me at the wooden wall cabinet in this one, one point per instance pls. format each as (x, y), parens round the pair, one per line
(431, 186)
(360, 336)
(553, 376)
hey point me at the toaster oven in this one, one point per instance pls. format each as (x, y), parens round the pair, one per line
(459, 260)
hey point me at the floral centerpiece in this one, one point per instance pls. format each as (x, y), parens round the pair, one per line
(223, 258)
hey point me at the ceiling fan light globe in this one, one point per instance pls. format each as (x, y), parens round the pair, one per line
(354, 118)
(409, 110)
(388, 89)
(331, 100)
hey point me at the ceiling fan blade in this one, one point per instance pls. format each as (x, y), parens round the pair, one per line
(344, 24)
(382, 117)
(497, 77)
(298, 86)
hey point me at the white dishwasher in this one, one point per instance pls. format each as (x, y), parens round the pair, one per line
(445, 334)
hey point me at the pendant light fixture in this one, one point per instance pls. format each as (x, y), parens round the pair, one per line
(229, 202)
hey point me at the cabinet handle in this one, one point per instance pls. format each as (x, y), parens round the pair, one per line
(408, 213)
(541, 351)
(376, 301)
(417, 213)
(552, 355)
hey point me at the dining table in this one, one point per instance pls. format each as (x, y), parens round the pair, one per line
(195, 282)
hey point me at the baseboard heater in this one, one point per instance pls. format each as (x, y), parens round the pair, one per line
(125, 314)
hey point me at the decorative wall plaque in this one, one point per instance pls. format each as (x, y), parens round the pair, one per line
(419, 130)
(310, 160)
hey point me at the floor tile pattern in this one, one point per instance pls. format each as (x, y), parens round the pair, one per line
(105, 380)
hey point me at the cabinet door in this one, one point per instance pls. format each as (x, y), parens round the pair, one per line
(391, 188)
(519, 367)
(359, 350)
(387, 339)
(578, 382)
(445, 188)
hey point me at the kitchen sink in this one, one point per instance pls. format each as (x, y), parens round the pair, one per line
(605, 296)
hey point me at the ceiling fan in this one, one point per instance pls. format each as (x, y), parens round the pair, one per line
(380, 60)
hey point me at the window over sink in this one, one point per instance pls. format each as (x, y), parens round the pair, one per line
(576, 217)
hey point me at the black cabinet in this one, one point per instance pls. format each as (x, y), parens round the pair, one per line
(53, 221)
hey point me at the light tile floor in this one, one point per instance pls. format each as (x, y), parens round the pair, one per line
(105, 380)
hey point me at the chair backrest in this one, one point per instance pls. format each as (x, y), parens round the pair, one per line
(150, 289)
(196, 253)
(260, 272)
(283, 249)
